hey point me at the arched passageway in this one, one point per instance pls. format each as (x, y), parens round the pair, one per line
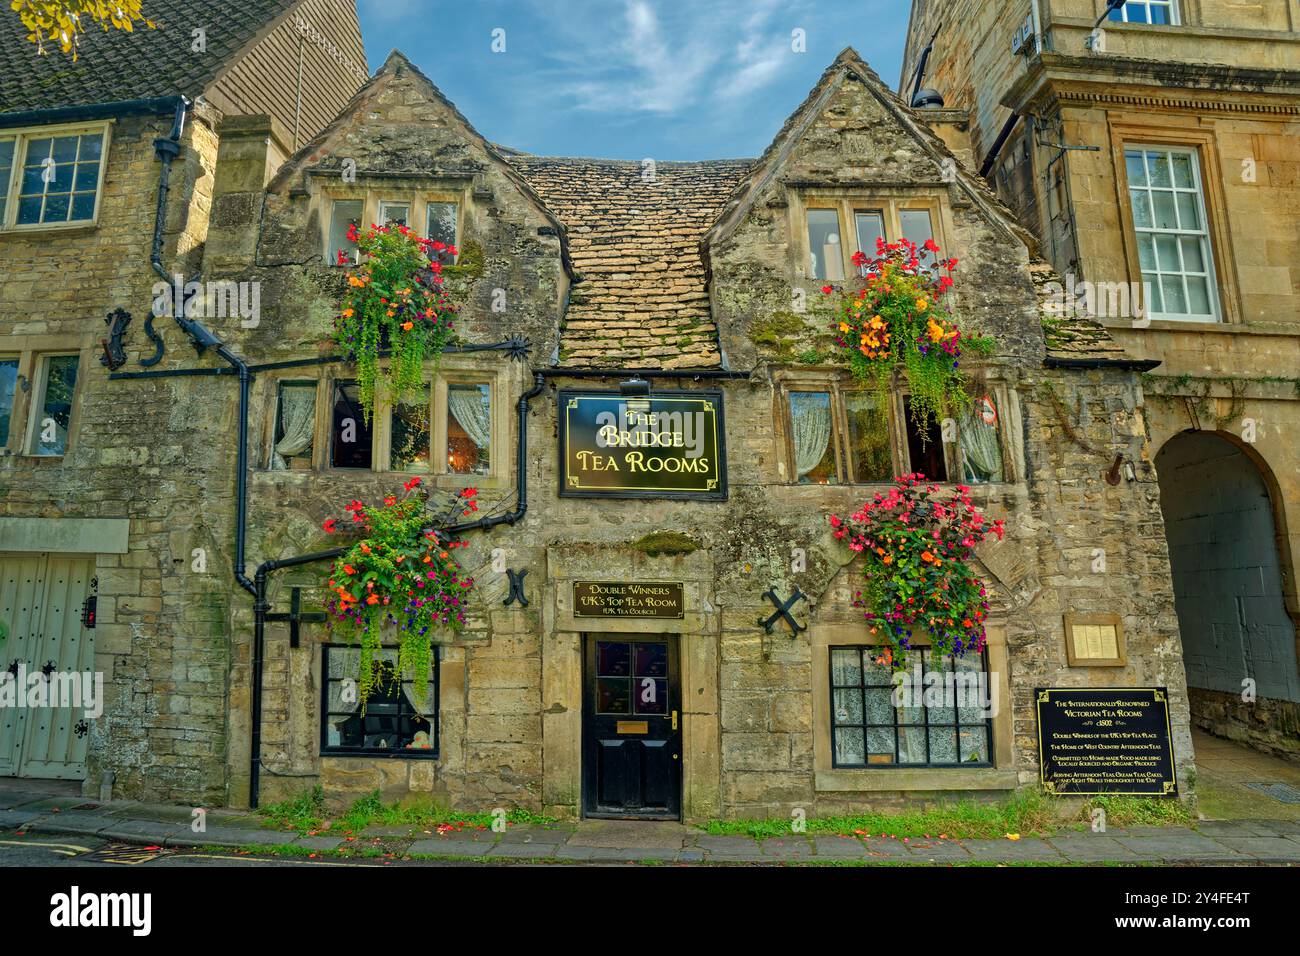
(1228, 591)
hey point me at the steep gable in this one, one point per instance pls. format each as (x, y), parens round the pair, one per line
(366, 134)
(936, 164)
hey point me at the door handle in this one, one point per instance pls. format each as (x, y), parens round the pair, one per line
(674, 720)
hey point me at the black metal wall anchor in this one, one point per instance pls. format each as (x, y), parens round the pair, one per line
(516, 588)
(783, 611)
(114, 356)
(49, 668)
(82, 728)
(296, 617)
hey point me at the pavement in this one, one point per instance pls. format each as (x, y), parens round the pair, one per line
(1254, 829)
(32, 815)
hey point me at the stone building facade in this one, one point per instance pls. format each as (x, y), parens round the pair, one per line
(1064, 128)
(688, 277)
(93, 492)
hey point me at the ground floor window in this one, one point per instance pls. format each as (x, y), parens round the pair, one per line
(935, 713)
(397, 722)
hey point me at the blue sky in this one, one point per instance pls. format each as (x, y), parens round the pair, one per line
(631, 79)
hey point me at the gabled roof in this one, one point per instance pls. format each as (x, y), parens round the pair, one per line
(634, 236)
(849, 65)
(397, 64)
(115, 66)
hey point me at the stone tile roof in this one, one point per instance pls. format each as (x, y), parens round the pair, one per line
(635, 240)
(1070, 335)
(116, 65)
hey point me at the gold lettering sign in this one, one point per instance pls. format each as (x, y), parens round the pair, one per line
(617, 599)
(1095, 740)
(666, 445)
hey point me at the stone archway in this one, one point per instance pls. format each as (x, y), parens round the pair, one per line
(1229, 575)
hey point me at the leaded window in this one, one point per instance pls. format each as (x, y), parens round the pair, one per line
(935, 713)
(398, 720)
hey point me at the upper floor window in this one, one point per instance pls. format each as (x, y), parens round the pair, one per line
(830, 257)
(1147, 11)
(434, 219)
(839, 434)
(1173, 237)
(51, 177)
(456, 413)
(38, 388)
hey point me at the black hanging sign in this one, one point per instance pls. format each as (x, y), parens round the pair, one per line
(1095, 741)
(665, 445)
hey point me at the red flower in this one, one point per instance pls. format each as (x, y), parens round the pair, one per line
(468, 492)
(828, 289)
(408, 485)
(342, 260)
(931, 245)
(329, 525)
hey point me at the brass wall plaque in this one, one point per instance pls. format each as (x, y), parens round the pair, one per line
(657, 599)
(1095, 640)
(665, 445)
(634, 726)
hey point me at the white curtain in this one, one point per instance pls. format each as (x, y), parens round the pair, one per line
(469, 408)
(297, 422)
(810, 414)
(981, 454)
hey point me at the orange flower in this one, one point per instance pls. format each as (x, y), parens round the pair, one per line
(888, 559)
(373, 599)
(407, 326)
(349, 569)
(365, 548)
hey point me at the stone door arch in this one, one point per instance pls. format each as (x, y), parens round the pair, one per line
(1231, 571)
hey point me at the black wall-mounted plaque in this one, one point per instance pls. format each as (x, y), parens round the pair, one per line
(666, 445)
(627, 599)
(1095, 740)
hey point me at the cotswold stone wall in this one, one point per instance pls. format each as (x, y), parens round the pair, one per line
(153, 452)
(511, 683)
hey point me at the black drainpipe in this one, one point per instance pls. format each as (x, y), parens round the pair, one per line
(260, 578)
(167, 149)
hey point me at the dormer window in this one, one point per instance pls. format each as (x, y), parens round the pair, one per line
(836, 229)
(436, 216)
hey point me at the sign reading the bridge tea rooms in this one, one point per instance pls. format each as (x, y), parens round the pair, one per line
(666, 445)
(1095, 740)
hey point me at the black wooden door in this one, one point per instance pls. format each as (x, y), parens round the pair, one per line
(631, 727)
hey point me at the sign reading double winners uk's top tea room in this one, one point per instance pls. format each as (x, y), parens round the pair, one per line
(665, 445)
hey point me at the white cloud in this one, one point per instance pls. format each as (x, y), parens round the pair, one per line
(667, 58)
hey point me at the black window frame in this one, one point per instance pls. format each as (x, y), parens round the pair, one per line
(433, 752)
(869, 649)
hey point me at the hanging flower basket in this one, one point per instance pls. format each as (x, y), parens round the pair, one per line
(401, 577)
(394, 301)
(898, 320)
(918, 544)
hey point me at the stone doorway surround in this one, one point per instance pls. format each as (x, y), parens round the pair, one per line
(698, 639)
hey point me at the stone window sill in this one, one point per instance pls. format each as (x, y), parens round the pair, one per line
(985, 778)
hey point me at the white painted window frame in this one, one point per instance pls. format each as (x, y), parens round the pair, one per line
(1203, 234)
(22, 136)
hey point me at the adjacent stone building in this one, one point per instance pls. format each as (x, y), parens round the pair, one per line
(587, 282)
(1157, 163)
(93, 491)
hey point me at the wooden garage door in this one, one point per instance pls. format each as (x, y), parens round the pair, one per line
(41, 599)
